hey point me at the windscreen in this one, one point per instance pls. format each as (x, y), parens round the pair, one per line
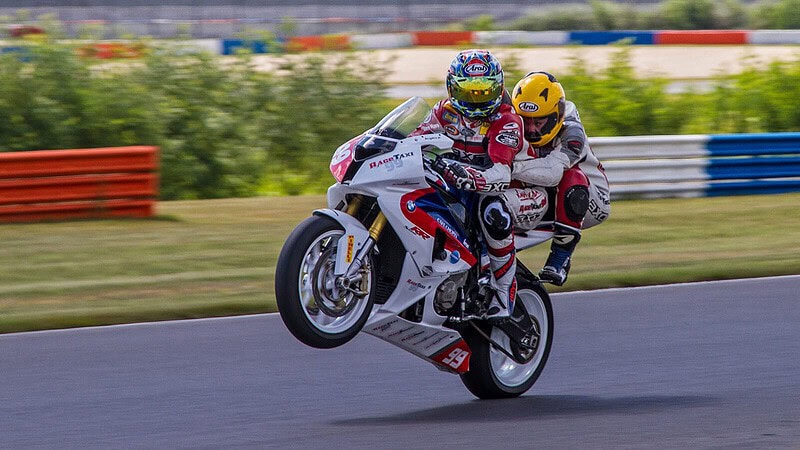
(404, 119)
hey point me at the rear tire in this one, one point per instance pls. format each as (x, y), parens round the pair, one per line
(493, 374)
(312, 307)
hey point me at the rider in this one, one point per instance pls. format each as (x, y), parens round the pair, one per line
(559, 156)
(487, 135)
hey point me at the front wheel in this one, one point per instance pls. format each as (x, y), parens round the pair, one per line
(492, 374)
(316, 309)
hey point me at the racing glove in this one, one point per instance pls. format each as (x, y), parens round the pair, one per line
(462, 177)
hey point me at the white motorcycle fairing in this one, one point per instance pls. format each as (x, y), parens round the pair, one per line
(421, 273)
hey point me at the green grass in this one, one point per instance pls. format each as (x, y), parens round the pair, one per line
(217, 257)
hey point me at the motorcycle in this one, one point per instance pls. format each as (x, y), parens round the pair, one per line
(398, 254)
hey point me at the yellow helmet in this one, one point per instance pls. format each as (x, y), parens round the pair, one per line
(540, 100)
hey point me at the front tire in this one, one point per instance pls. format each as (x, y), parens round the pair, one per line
(314, 309)
(492, 374)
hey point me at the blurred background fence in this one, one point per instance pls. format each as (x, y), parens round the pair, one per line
(208, 18)
(229, 18)
(500, 38)
(700, 165)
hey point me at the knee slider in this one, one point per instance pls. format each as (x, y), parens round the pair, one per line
(496, 218)
(576, 202)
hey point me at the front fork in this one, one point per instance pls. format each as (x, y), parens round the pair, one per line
(351, 280)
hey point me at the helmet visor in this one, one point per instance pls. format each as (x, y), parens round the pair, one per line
(476, 89)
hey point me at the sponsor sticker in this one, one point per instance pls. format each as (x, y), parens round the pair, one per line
(420, 232)
(427, 137)
(532, 194)
(446, 226)
(528, 107)
(413, 286)
(351, 240)
(450, 117)
(495, 187)
(597, 212)
(526, 208)
(392, 162)
(509, 138)
(385, 326)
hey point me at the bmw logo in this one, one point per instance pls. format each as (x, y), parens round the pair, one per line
(455, 257)
(411, 206)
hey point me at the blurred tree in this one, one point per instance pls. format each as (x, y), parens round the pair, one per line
(780, 14)
(605, 14)
(689, 14)
(484, 22)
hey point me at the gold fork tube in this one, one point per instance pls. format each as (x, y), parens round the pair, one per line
(377, 226)
(355, 203)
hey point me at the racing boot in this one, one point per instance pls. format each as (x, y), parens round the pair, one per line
(503, 284)
(502, 304)
(556, 268)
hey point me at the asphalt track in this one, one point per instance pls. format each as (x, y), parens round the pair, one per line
(710, 365)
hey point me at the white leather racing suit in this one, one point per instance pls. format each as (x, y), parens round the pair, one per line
(546, 165)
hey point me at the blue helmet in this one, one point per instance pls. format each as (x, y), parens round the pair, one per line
(475, 83)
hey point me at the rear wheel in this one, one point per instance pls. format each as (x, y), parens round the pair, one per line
(492, 373)
(316, 309)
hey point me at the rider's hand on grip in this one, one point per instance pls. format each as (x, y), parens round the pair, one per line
(439, 165)
(464, 178)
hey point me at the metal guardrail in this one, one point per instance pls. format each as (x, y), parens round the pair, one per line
(700, 165)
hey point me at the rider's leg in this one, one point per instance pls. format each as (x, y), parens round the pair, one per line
(599, 207)
(572, 203)
(497, 226)
(500, 215)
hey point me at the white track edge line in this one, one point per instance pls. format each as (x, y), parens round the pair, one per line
(206, 319)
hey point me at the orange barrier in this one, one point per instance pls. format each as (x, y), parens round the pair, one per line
(317, 43)
(71, 184)
(701, 37)
(442, 37)
(24, 30)
(111, 50)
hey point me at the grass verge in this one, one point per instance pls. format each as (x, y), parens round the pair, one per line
(217, 257)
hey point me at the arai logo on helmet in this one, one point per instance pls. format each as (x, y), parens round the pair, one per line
(528, 107)
(476, 68)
